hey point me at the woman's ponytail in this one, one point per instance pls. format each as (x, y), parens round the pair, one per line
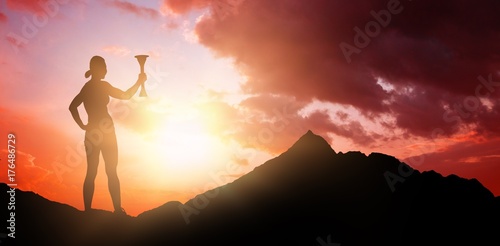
(88, 73)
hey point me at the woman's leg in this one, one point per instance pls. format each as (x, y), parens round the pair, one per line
(110, 156)
(93, 152)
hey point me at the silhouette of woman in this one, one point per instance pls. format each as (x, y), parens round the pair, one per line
(100, 132)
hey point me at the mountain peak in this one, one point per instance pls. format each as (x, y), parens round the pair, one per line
(310, 141)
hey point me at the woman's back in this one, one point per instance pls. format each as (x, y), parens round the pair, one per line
(95, 100)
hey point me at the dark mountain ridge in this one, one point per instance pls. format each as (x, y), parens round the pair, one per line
(308, 195)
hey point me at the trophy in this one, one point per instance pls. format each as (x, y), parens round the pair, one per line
(142, 59)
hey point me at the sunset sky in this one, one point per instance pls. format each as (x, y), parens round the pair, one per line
(233, 83)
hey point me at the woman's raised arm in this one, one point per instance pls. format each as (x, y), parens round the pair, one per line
(117, 93)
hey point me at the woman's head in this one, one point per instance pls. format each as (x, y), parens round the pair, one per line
(97, 68)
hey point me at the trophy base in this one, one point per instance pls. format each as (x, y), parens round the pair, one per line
(143, 93)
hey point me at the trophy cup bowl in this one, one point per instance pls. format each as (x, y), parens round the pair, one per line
(142, 60)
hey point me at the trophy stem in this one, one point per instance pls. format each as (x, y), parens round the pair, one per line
(143, 93)
(142, 60)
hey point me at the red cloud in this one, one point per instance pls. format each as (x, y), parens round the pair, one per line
(434, 57)
(3, 17)
(134, 9)
(469, 159)
(48, 6)
(25, 5)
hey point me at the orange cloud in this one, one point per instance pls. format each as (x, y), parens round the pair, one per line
(116, 50)
(183, 6)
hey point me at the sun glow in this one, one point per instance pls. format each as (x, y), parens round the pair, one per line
(184, 145)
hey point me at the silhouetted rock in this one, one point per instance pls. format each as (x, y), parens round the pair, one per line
(308, 195)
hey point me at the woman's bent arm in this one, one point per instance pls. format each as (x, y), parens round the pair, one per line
(73, 108)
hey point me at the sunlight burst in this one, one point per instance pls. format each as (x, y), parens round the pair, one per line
(184, 144)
